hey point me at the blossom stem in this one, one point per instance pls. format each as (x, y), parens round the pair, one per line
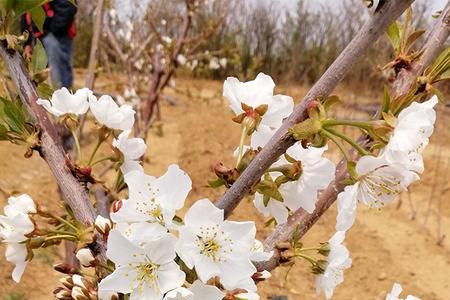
(241, 144)
(62, 232)
(100, 160)
(311, 260)
(61, 237)
(359, 124)
(64, 221)
(308, 249)
(77, 144)
(276, 169)
(97, 146)
(349, 140)
(338, 143)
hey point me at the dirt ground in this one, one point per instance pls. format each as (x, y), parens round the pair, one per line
(396, 244)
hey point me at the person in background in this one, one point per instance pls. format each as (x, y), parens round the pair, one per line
(57, 37)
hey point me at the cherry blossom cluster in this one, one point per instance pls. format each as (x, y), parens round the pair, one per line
(153, 253)
(151, 248)
(293, 182)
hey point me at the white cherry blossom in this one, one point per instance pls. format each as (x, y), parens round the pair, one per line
(14, 225)
(257, 252)
(247, 296)
(153, 200)
(145, 272)
(181, 59)
(380, 181)
(216, 247)
(214, 63)
(415, 124)
(255, 93)
(317, 172)
(108, 113)
(64, 102)
(132, 150)
(197, 291)
(338, 261)
(395, 294)
(346, 205)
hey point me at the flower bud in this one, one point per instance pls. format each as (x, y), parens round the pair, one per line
(67, 281)
(86, 257)
(246, 159)
(78, 294)
(64, 268)
(79, 281)
(228, 175)
(311, 109)
(116, 206)
(62, 293)
(86, 170)
(103, 225)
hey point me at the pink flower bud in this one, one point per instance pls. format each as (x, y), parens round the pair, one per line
(86, 257)
(103, 225)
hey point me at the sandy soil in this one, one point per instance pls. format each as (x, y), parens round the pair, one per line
(387, 246)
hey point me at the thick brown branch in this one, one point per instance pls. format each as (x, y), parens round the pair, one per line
(303, 221)
(72, 190)
(282, 140)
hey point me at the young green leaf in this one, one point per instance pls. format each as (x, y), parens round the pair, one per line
(39, 60)
(38, 17)
(44, 90)
(413, 38)
(393, 34)
(21, 6)
(386, 100)
(14, 115)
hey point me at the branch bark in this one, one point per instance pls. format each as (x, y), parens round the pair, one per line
(94, 46)
(303, 221)
(282, 140)
(51, 150)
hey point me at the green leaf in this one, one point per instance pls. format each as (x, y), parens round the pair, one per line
(386, 100)
(330, 102)
(39, 60)
(38, 16)
(22, 6)
(3, 131)
(413, 37)
(393, 34)
(14, 115)
(44, 90)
